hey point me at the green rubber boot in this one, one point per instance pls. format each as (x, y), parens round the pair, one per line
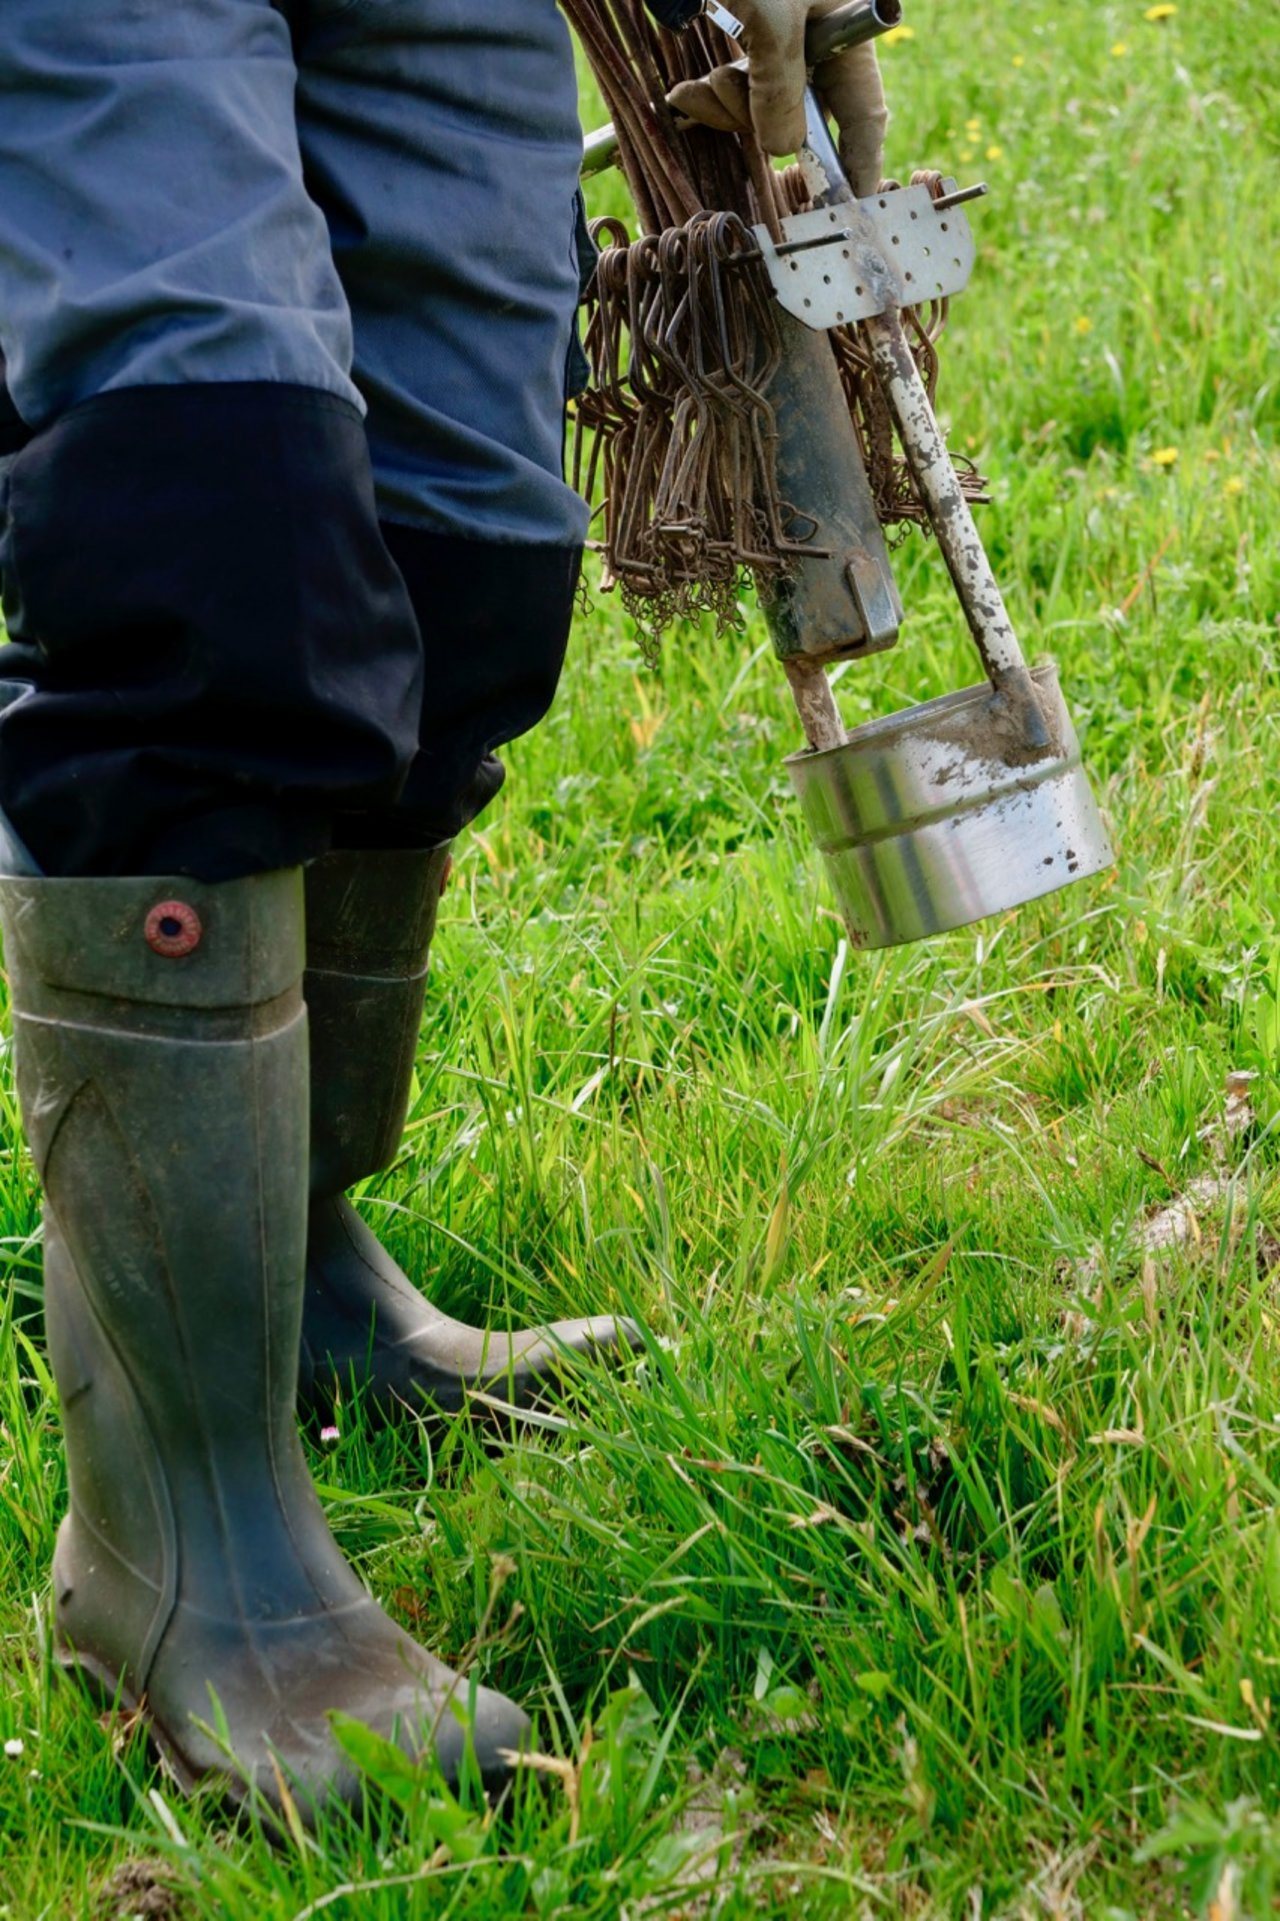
(162, 1070)
(370, 920)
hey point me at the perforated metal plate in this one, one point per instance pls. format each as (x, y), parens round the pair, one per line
(854, 259)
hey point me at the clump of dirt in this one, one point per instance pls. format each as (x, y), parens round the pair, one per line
(140, 1890)
(995, 729)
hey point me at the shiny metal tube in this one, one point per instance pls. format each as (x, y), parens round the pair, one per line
(849, 26)
(933, 817)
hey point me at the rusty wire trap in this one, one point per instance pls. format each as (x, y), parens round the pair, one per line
(676, 434)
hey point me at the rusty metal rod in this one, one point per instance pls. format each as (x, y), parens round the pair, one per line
(815, 703)
(846, 26)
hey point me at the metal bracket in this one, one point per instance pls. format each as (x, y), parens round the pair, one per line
(876, 594)
(857, 258)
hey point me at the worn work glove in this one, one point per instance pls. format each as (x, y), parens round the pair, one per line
(770, 95)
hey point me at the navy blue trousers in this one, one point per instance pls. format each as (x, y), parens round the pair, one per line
(286, 310)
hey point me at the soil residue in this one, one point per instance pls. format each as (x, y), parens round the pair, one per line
(996, 732)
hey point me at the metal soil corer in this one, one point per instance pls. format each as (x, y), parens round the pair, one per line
(761, 401)
(937, 816)
(977, 802)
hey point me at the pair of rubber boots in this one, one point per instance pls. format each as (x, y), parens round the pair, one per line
(202, 1264)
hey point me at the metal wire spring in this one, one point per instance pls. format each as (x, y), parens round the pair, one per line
(676, 429)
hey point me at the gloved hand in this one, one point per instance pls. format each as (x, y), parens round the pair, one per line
(769, 96)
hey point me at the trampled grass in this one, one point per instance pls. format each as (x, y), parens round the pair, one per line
(928, 1561)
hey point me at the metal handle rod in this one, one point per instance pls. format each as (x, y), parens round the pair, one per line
(935, 475)
(846, 26)
(815, 703)
(959, 541)
(849, 26)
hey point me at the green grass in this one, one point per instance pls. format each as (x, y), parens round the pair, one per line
(929, 1562)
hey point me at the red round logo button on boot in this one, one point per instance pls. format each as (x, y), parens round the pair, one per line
(173, 929)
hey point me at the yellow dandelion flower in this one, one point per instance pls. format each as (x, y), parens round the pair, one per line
(898, 33)
(994, 152)
(966, 154)
(1120, 49)
(1083, 324)
(973, 126)
(1233, 485)
(1019, 60)
(1163, 12)
(1165, 457)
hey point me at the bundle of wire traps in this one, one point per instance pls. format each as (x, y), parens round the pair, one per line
(675, 434)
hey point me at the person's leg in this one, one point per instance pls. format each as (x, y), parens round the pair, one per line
(214, 656)
(162, 1068)
(189, 546)
(444, 149)
(443, 144)
(184, 570)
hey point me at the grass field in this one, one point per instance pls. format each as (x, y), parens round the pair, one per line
(928, 1563)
